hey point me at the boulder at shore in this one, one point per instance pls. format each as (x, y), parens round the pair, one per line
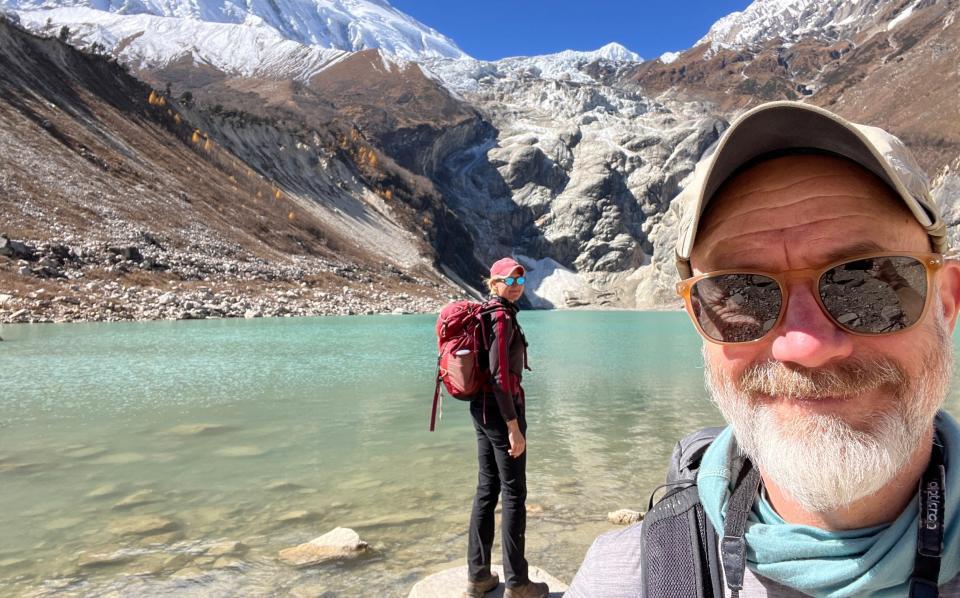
(451, 582)
(624, 517)
(340, 543)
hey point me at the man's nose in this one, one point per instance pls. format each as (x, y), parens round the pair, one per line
(805, 335)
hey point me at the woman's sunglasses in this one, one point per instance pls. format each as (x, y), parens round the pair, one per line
(510, 281)
(869, 295)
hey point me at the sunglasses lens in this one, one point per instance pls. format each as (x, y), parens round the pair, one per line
(736, 308)
(875, 295)
(521, 280)
(508, 281)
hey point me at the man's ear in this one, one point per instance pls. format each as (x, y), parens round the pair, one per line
(949, 282)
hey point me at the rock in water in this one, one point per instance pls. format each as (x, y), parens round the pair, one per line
(138, 498)
(341, 543)
(624, 517)
(297, 517)
(142, 526)
(226, 548)
(198, 429)
(95, 560)
(451, 582)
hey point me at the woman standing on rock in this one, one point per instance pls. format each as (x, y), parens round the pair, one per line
(498, 416)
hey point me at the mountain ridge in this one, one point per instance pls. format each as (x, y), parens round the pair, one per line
(570, 161)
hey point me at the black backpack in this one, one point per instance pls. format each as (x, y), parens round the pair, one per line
(683, 557)
(679, 545)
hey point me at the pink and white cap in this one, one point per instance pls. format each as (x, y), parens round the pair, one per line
(504, 266)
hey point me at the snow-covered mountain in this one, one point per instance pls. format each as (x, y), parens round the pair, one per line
(147, 41)
(211, 26)
(571, 160)
(467, 74)
(792, 19)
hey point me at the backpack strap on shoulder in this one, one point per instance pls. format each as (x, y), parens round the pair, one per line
(687, 454)
(733, 547)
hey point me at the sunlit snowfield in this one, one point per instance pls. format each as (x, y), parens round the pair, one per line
(273, 432)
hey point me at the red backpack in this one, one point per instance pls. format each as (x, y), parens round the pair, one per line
(461, 336)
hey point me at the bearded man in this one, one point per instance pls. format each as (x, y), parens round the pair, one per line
(811, 259)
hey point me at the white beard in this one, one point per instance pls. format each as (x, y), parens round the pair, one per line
(821, 461)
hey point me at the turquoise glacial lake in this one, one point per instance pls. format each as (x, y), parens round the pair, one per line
(273, 432)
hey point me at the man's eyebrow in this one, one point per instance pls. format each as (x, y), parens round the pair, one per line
(853, 249)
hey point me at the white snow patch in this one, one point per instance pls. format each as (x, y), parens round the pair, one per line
(903, 16)
(548, 282)
(668, 57)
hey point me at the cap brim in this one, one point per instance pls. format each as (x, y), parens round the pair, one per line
(779, 126)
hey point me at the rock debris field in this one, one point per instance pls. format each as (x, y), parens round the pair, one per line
(44, 282)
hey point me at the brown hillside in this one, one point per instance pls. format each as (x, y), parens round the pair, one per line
(904, 80)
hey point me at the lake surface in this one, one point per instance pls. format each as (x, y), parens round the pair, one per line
(272, 432)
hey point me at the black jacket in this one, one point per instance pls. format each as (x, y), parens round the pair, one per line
(507, 358)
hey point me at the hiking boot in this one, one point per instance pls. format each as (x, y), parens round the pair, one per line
(531, 589)
(476, 589)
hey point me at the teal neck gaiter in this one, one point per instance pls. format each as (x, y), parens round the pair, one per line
(872, 562)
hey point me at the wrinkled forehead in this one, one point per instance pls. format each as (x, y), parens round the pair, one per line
(805, 201)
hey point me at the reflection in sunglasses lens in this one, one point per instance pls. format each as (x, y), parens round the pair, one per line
(875, 295)
(735, 308)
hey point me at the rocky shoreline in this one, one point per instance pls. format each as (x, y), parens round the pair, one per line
(53, 282)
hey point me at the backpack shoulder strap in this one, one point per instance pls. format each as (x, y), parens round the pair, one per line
(687, 454)
(679, 551)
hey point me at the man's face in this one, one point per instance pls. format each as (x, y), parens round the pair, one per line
(828, 416)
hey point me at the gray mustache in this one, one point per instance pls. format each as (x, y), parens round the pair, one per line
(847, 378)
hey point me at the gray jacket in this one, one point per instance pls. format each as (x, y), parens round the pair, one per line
(611, 569)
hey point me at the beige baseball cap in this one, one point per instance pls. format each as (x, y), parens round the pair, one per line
(778, 126)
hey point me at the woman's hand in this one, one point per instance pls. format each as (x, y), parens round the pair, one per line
(517, 443)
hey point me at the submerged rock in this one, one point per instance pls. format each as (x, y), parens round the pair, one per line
(190, 573)
(198, 429)
(157, 563)
(624, 517)
(138, 498)
(103, 491)
(228, 562)
(86, 452)
(120, 459)
(297, 517)
(240, 451)
(340, 543)
(95, 560)
(12, 563)
(451, 582)
(228, 548)
(147, 525)
(283, 485)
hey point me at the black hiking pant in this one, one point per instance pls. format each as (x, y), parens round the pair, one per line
(498, 472)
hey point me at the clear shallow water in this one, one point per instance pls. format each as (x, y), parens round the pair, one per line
(315, 423)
